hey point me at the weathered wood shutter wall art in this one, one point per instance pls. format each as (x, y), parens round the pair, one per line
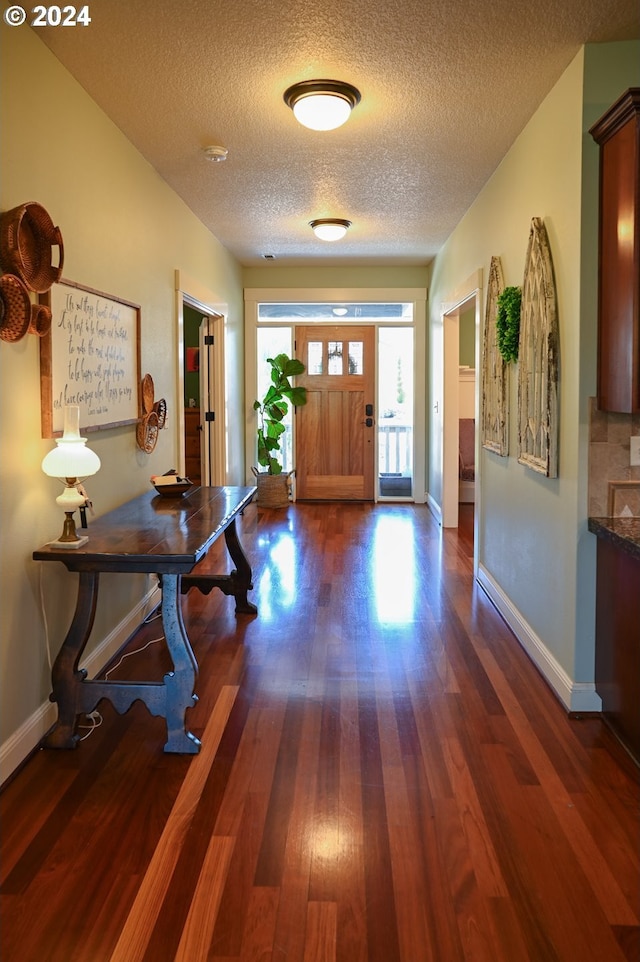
(495, 372)
(538, 359)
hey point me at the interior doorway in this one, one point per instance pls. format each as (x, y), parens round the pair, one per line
(467, 308)
(200, 420)
(467, 406)
(193, 467)
(202, 395)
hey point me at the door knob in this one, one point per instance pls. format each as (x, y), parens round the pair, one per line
(369, 422)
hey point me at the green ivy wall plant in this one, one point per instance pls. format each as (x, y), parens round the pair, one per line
(508, 322)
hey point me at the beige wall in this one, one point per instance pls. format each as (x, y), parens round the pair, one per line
(534, 542)
(125, 233)
(334, 277)
(467, 335)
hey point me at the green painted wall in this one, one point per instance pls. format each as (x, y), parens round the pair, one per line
(192, 320)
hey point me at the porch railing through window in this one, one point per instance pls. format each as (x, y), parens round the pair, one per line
(395, 449)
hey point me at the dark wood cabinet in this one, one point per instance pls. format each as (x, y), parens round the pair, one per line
(618, 135)
(618, 642)
(192, 436)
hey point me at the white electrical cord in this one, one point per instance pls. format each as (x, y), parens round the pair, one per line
(44, 618)
(128, 654)
(96, 720)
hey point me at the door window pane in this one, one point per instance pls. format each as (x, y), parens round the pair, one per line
(314, 357)
(395, 412)
(335, 357)
(271, 342)
(355, 357)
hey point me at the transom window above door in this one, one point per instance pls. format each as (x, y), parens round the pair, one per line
(339, 313)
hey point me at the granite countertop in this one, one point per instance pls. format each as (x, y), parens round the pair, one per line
(624, 533)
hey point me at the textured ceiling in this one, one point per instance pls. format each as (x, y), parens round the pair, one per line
(446, 87)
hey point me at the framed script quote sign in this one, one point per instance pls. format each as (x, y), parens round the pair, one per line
(91, 358)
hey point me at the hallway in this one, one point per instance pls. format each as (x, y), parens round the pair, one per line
(384, 777)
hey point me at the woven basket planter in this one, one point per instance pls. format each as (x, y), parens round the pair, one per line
(27, 241)
(273, 489)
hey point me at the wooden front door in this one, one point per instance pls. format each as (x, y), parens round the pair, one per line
(335, 441)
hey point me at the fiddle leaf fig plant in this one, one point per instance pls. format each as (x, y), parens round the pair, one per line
(508, 322)
(273, 408)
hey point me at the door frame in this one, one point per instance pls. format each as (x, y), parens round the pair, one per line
(415, 295)
(189, 291)
(469, 293)
(212, 449)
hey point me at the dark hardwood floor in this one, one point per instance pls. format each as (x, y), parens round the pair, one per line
(384, 777)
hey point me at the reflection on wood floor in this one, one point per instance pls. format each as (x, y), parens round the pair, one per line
(384, 777)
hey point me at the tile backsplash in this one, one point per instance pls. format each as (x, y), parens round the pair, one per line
(609, 436)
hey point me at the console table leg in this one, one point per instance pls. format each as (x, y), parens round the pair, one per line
(65, 677)
(242, 576)
(237, 583)
(180, 683)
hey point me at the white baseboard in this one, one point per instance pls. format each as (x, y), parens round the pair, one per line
(575, 696)
(434, 508)
(23, 741)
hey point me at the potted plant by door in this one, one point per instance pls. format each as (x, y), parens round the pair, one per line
(273, 483)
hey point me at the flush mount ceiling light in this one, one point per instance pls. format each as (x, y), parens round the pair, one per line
(215, 154)
(321, 104)
(330, 228)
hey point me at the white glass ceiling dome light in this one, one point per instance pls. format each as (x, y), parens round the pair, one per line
(330, 228)
(71, 461)
(321, 104)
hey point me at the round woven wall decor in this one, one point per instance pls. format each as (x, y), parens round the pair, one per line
(17, 308)
(147, 432)
(27, 241)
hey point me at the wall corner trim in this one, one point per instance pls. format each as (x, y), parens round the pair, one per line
(434, 507)
(575, 696)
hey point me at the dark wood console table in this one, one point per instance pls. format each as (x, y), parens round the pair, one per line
(157, 535)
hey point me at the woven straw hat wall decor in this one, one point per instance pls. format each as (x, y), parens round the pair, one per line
(154, 416)
(28, 243)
